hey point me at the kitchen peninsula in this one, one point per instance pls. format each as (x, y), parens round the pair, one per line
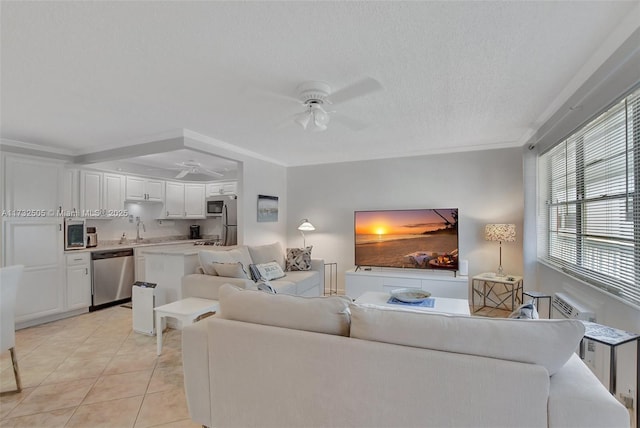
(166, 266)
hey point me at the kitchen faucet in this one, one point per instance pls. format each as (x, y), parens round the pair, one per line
(138, 224)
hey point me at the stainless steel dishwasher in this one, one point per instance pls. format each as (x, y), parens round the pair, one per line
(112, 277)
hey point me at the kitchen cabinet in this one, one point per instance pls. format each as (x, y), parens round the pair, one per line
(101, 194)
(38, 245)
(144, 189)
(222, 188)
(71, 192)
(90, 192)
(174, 200)
(194, 204)
(113, 193)
(78, 295)
(184, 200)
(32, 184)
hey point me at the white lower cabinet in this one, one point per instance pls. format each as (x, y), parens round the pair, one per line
(38, 245)
(78, 281)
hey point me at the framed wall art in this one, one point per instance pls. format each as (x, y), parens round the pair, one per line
(267, 208)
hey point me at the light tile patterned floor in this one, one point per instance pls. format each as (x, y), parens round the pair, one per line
(94, 371)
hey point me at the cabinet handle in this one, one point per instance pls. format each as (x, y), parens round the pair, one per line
(76, 260)
(185, 213)
(86, 271)
(60, 227)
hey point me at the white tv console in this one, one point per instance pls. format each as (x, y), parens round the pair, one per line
(438, 283)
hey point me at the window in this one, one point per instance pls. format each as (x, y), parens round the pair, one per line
(589, 202)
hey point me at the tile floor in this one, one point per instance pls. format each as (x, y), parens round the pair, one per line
(94, 371)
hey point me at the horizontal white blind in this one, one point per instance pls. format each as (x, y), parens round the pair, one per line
(589, 204)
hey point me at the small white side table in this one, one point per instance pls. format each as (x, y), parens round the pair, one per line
(186, 311)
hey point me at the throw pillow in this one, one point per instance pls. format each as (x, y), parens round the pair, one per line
(268, 253)
(299, 258)
(230, 270)
(548, 343)
(329, 315)
(269, 271)
(254, 272)
(527, 311)
(207, 258)
(266, 287)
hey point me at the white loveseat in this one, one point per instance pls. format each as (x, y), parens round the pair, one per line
(286, 361)
(303, 283)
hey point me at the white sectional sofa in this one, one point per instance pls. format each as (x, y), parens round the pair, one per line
(206, 285)
(286, 361)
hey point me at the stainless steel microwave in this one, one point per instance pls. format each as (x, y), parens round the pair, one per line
(215, 207)
(75, 235)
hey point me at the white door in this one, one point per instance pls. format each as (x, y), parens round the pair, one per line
(90, 193)
(113, 193)
(194, 200)
(38, 245)
(155, 190)
(174, 200)
(32, 184)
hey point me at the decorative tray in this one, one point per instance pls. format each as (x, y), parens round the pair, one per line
(410, 295)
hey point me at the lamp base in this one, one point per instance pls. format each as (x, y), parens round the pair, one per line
(500, 271)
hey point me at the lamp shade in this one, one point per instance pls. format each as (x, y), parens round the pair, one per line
(500, 232)
(306, 226)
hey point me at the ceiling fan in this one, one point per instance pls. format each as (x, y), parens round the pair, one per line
(193, 167)
(317, 95)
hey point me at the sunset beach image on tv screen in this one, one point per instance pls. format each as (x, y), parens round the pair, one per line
(420, 238)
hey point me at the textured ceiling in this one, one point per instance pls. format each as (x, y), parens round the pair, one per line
(457, 75)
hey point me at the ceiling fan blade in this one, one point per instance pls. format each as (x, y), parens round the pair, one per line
(360, 88)
(265, 93)
(353, 124)
(210, 172)
(182, 173)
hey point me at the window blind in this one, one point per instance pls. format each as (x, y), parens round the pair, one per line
(589, 202)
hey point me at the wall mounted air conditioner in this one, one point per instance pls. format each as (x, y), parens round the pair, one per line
(567, 307)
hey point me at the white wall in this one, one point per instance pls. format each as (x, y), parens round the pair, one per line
(261, 178)
(485, 186)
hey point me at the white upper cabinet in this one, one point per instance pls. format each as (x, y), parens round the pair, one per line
(222, 188)
(174, 200)
(184, 200)
(113, 193)
(32, 184)
(144, 189)
(71, 192)
(194, 200)
(90, 193)
(101, 194)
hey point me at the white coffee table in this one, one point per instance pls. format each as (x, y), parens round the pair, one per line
(443, 305)
(186, 311)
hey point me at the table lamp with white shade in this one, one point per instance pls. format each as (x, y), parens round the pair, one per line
(501, 233)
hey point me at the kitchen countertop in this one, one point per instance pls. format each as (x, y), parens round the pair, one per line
(132, 244)
(178, 250)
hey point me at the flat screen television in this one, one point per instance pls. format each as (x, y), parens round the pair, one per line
(418, 238)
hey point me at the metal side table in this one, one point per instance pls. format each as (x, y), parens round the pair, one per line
(333, 279)
(613, 337)
(537, 295)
